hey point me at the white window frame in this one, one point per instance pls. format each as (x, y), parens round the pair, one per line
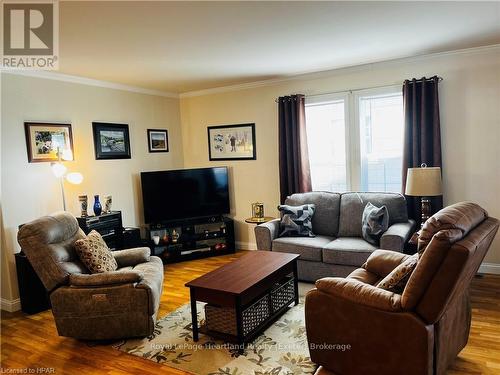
(352, 126)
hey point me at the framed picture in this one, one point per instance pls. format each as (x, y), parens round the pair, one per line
(232, 142)
(111, 141)
(44, 140)
(158, 140)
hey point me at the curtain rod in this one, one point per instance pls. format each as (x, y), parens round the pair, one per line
(365, 88)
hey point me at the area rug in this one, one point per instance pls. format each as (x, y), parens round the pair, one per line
(280, 350)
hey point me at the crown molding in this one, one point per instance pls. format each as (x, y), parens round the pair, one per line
(337, 71)
(89, 82)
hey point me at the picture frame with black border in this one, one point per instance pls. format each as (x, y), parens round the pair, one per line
(111, 141)
(232, 142)
(157, 140)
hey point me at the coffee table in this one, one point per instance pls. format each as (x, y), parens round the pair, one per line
(255, 278)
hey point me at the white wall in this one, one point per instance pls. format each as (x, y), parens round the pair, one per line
(470, 123)
(29, 190)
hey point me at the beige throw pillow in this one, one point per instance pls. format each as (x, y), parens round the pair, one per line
(397, 279)
(95, 254)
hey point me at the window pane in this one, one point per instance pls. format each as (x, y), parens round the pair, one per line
(381, 136)
(326, 141)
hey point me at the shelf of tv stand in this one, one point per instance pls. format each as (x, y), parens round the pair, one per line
(194, 236)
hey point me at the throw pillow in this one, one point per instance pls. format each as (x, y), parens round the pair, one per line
(296, 220)
(95, 254)
(397, 279)
(375, 222)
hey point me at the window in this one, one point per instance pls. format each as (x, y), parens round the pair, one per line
(356, 140)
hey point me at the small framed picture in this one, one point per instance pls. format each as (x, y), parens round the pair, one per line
(232, 142)
(45, 140)
(111, 141)
(158, 140)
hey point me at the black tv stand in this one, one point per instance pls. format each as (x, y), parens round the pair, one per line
(197, 238)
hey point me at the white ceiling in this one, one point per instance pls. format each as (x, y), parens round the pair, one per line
(185, 46)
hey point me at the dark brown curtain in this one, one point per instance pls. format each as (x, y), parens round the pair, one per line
(295, 173)
(422, 135)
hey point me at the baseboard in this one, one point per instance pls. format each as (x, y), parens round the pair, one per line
(10, 305)
(493, 268)
(246, 245)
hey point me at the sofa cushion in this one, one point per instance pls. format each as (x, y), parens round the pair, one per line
(396, 280)
(95, 254)
(349, 251)
(296, 220)
(309, 248)
(326, 217)
(375, 222)
(353, 204)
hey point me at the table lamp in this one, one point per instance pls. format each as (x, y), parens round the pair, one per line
(424, 182)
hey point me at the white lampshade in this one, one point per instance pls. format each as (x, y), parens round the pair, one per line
(424, 182)
(74, 178)
(58, 169)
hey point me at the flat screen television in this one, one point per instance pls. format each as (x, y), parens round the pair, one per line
(184, 193)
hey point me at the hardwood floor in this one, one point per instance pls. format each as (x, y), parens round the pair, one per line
(32, 341)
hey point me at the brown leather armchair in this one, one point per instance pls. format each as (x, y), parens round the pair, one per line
(353, 327)
(109, 305)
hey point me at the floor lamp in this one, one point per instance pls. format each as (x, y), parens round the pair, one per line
(60, 171)
(424, 182)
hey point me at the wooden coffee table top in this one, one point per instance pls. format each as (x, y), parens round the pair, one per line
(238, 276)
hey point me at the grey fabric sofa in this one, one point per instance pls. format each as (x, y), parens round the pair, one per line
(338, 248)
(109, 305)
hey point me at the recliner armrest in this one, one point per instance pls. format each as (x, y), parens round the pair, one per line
(265, 234)
(360, 293)
(105, 278)
(382, 262)
(395, 237)
(132, 257)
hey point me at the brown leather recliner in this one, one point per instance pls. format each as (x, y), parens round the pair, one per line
(353, 327)
(109, 305)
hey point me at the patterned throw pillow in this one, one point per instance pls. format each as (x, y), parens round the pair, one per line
(375, 222)
(397, 279)
(95, 254)
(296, 220)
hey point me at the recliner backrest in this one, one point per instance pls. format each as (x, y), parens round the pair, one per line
(48, 242)
(447, 250)
(326, 217)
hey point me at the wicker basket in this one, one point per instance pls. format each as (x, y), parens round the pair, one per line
(282, 295)
(221, 319)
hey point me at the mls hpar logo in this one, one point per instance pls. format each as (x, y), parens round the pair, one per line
(30, 35)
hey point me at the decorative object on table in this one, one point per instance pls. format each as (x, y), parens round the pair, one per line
(296, 220)
(157, 140)
(45, 140)
(375, 222)
(97, 206)
(175, 236)
(232, 142)
(156, 239)
(165, 237)
(424, 182)
(258, 210)
(111, 141)
(84, 204)
(108, 201)
(60, 171)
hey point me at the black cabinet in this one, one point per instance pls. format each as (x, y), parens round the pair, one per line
(108, 225)
(192, 239)
(34, 297)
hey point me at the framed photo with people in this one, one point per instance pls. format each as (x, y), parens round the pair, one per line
(231, 142)
(48, 141)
